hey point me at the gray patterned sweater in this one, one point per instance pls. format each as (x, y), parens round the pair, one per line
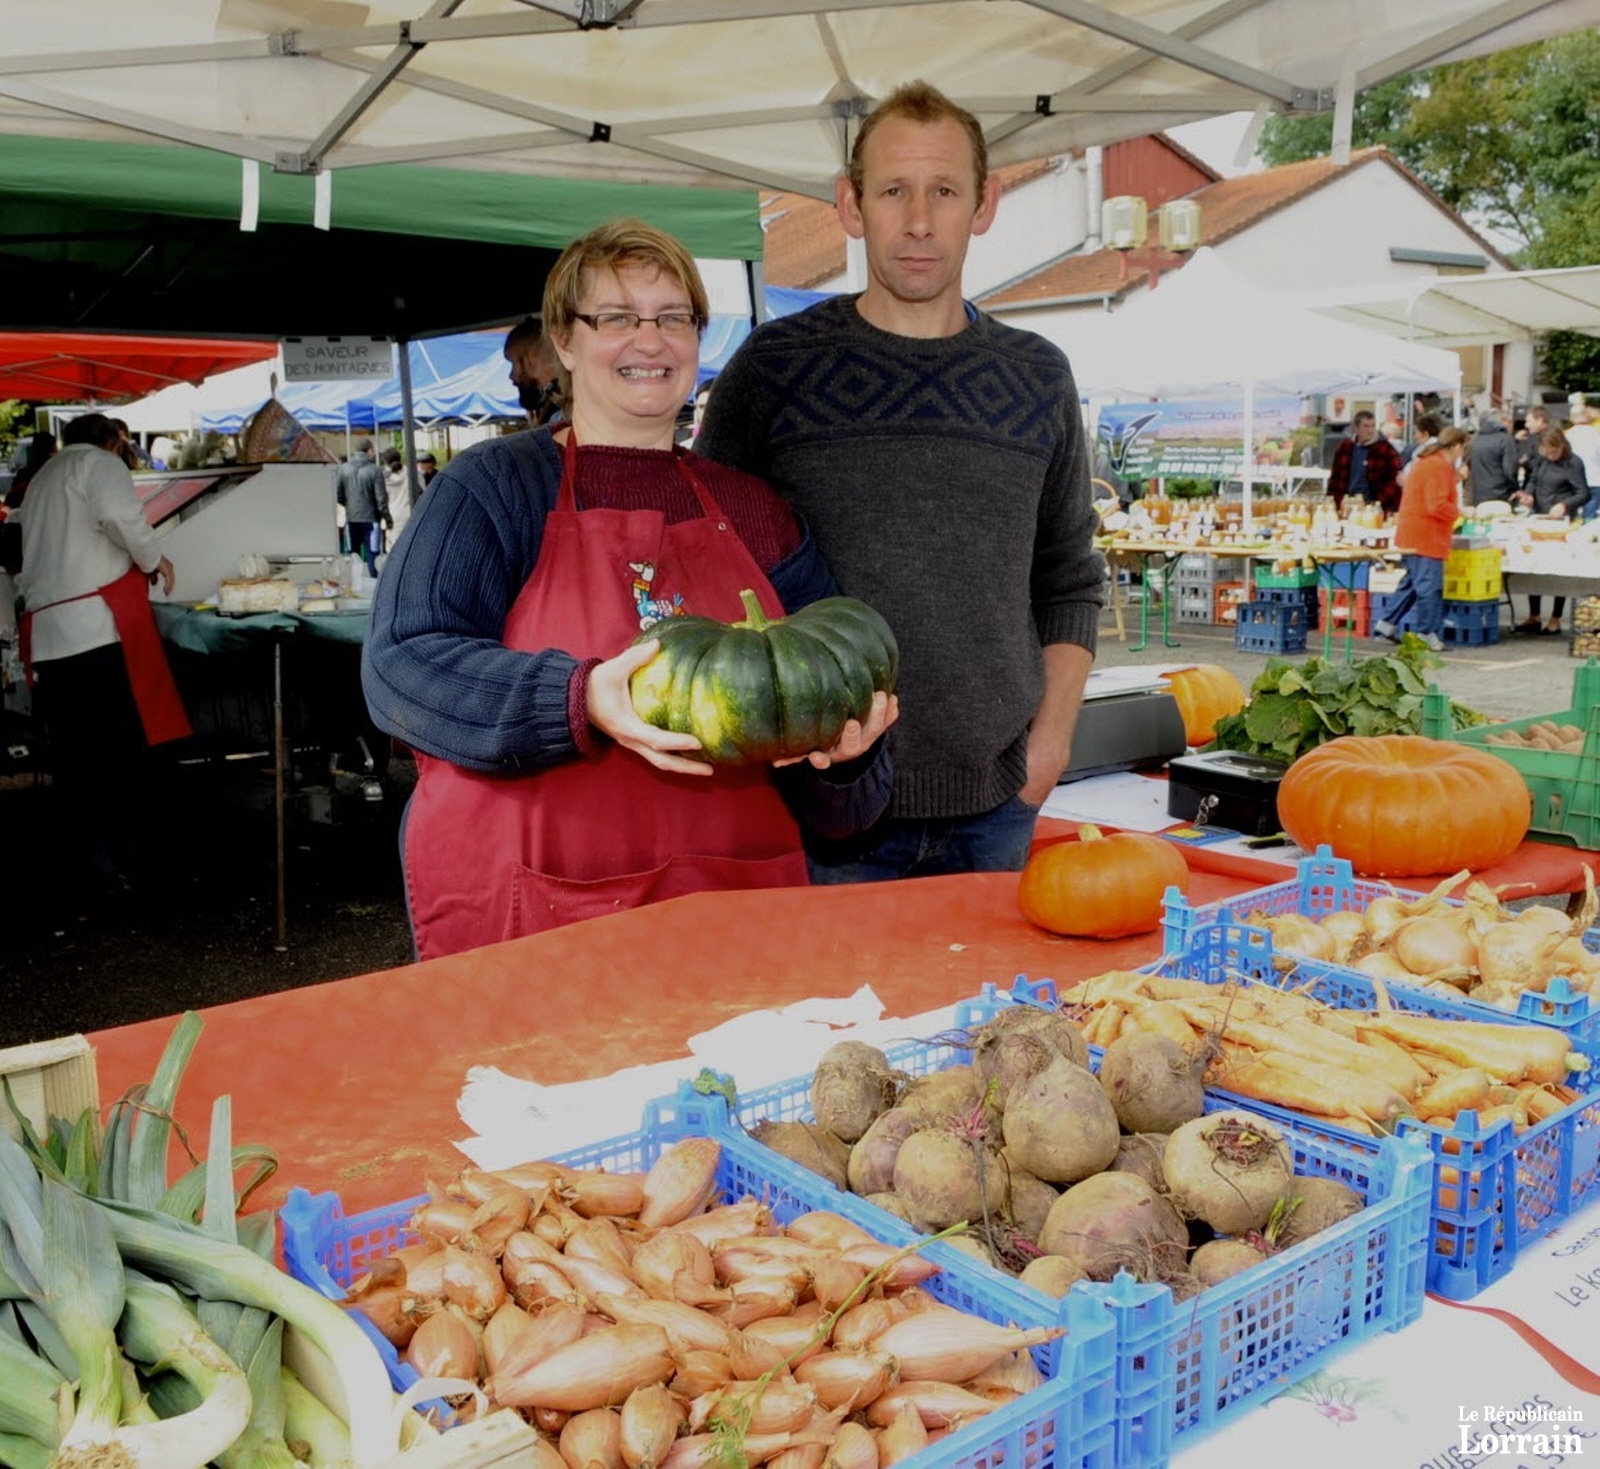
(947, 483)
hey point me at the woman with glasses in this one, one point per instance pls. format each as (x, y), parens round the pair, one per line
(502, 637)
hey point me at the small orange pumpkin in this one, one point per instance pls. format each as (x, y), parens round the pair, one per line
(1204, 694)
(1405, 806)
(1101, 886)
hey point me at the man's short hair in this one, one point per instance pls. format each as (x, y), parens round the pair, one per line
(1366, 415)
(921, 103)
(91, 428)
(526, 333)
(363, 446)
(426, 457)
(1429, 424)
(1537, 410)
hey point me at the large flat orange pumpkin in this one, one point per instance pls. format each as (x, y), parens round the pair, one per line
(1405, 806)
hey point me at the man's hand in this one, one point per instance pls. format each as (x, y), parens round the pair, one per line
(610, 708)
(1066, 670)
(857, 737)
(164, 572)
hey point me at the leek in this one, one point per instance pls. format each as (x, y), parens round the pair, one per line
(59, 1249)
(29, 1388)
(152, 1128)
(219, 1271)
(159, 1331)
(314, 1432)
(17, 1452)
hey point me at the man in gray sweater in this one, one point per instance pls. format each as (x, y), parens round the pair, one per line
(939, 458)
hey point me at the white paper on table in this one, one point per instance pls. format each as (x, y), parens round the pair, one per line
(1398, 1400)
(516, 1119)
(1121, 799)
(1555, 1287)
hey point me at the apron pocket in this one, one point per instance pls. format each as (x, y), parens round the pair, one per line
(540, 901)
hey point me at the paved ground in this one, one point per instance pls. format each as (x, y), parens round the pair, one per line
(1512, 679)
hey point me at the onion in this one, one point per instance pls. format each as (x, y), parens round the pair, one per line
(593, 1372)
(440, 1221)
(651, 1419)
(601, 1241)
(676, 1266)
(1381, 964)
(948, 1346)
(853, 1448)
(1383, 917)
(1293, 933)
(1517, 955)
(834, 1281)
(794, 1337)
(904, 1434)
(495, 1220)
(1347, 929)
(827, 1231)
(557, 1326)
(687, 1329)
(473, 1282)
(775, 1405)
(728, 1222)
(1428, 945)
(594, 1194)
(681, 1183)
(1542, 916)
(593, 1438)
(700, 1372)
(937, 1404)
(445, 1345)
(848, 1379)
(501, 1332)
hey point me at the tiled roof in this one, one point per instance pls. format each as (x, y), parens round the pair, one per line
(1226, 207)
(805, 243)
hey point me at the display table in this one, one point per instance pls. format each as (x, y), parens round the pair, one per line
(355, 1083)
(1170, 554)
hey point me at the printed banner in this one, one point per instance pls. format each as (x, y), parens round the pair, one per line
(1200, 439)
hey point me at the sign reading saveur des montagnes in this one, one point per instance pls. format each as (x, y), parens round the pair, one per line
(337, 359)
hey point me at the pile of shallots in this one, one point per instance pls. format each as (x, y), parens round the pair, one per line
(637, 1325)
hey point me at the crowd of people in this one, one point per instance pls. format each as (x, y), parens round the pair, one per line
(1534, 468)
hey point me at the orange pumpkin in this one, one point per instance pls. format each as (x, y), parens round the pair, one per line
(1405, 806)
(1101, 886)
(1204, 694)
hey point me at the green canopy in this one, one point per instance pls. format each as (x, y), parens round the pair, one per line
(147, 238)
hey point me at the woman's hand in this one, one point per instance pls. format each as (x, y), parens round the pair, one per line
(611, 709)
(858, 736)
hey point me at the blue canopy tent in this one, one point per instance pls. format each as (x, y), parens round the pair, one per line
(476, 388)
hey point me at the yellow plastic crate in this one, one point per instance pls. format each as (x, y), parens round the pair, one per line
(1472, 576)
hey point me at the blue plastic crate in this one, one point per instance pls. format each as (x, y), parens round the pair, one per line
(1325, 884)
(1195, 1366)
(1493, 1193)
(1271, 627)
(1474, 624)
(1066, 1424)
(1350, 575)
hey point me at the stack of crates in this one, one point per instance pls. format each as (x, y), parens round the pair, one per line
(1193, 585)
(1297, 586)
(1472, 596)
(1271, 627)
(1227, 596)
(1347, 605)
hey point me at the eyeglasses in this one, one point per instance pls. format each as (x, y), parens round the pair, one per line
(621, 323)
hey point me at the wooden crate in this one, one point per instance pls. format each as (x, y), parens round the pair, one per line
(49, 1079)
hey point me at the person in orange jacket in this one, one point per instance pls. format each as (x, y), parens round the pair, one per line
(1430, 505)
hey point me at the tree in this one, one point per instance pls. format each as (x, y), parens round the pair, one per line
(1512, 138)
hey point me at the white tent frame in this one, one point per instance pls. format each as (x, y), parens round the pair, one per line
(1162, 76)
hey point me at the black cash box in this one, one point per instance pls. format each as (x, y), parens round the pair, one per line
(1235, 790)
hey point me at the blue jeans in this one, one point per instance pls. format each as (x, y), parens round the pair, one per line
(1423, 588)
(994, 841)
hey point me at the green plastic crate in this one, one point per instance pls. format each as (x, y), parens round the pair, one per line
(1299, 576)
(1565, 788)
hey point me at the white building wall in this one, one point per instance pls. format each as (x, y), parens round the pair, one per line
(1039, 221)
(1342, 234)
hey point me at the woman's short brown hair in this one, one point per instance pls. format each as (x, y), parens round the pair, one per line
(622, 242)
(1553, 438)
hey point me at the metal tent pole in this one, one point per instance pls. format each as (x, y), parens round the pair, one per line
(408, 437)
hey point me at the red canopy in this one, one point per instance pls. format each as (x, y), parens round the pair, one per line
(68, 367)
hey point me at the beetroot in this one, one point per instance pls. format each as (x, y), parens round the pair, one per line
(1059, 1125)
(1115, 1221)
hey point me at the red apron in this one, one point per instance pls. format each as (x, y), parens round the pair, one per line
(149, 674)
(491, 857)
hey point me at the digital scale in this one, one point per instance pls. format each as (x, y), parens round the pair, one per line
(1123, 726)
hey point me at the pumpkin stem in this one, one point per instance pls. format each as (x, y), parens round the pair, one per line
(1090, 833)
(754, 617)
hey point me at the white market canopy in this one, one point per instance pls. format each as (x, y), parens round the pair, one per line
(699, 91)
(1471, 310)
(1207, 329)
